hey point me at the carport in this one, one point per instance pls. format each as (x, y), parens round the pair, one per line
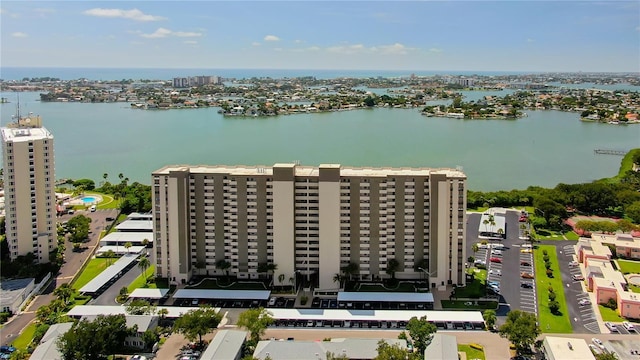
(377, 298)
(154, 294)
(111, 272)
(470, 320)
(237, 296)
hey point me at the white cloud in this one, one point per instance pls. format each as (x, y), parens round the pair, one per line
(190, 42)
(298, 41)
(19, 34)
(271, 38)
(435, 50)
(255, 43)
(162, 33)
(395, 49)
(133, 14)
(346, 49)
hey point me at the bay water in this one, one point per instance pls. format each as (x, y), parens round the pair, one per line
(544, 148)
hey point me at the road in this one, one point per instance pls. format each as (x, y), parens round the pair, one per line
(109, 295)
(73, 263)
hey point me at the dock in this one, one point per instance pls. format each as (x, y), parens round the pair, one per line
(610, 152)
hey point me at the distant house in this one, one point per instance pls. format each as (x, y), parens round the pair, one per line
(226, 345)
(48, 347)
(141, 322)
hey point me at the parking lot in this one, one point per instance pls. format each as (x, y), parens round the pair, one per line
(509, 262)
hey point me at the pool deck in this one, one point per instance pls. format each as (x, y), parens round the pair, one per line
(79, 200)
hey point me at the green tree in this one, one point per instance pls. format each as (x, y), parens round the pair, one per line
(64, 292)
(350, 269)
(140, 307)
(144, 264)
(78, 227)
(520, 328)
(197, 322)
(420, 331)
(338, 278)
(85, 184)
(388, 351)
(110, 254)
(606, 356)
(255, 321)
(489, 318)
(128, 245)
(392, 267)
(332, 356)
(81, 341)
(224, 266)
(633, 212)
(474, 248)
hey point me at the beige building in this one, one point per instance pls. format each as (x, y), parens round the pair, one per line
(29, 180)
(310, 221)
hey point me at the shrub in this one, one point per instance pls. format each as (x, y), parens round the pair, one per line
(471, 259)
(476, 346)
(549, 273)
(545, 258)
(304, 299)
(547, 265)
(4, 316)
(554, 306)
(544, 252)
(550, 289)
(552, 296)
(611, 304)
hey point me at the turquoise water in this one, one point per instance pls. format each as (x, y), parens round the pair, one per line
(545, 148)
(89, 199)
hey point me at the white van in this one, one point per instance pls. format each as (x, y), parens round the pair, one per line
(92, 208)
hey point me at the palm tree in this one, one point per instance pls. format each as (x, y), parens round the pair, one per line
(223, 265)
(485, 222)
(272, 268)
(109, 255)
(392, 266)
(145, 242)
(291, 281)
(127, 245)
(263, 268)
(64, 292)
(351, 269)
(338, 278)
(281, 278)
(144, 264)
(500, 231)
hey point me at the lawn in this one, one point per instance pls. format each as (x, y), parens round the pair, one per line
(610, 315)
(474, 289)
(460, 304)
(402, 287)
(544, 234)
(471, 352)
(93, 268)
(213, 284)
(629, 267)
(635, 289)
(480, 209)
(550, 323)
(571, 235)
(139, 281)
(24, 339)
(625, 165)
(108, 202)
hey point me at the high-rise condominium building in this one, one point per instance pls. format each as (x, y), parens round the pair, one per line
(29, 192)
(311, 222)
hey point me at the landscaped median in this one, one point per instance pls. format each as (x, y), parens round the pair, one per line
(549, 322)
(473, 351)
(90, 271)
(140, 282)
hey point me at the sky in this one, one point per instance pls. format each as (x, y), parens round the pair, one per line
(561, 35)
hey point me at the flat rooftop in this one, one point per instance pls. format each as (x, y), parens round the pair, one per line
(300, 170)
(226, 345)
(385, 297)
(94, 310)
(149, 293)
(562, 348)
(22, 134)
(375, 315)
(127, 236)
(11, 290)
(133, 225)
(222, 294)
(108, 273)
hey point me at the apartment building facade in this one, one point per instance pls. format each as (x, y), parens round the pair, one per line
(29, 191)
(310, 221)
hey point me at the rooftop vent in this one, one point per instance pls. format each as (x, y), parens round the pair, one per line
(570, 346)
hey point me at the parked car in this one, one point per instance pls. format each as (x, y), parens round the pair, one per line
(577, 277)
(479, 262)
(496, 252)
(522, 219)
(526, 285)
(524, 263)
(584, 302)
(526, 275)
(598, 343)
(573, 263)
(526, 251)
(611, 327)
(493, 283)
(495, 272)
(272, 301)
(495, 260)
(482, 246)
(629, 326)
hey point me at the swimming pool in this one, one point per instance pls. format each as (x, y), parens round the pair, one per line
(89, 199)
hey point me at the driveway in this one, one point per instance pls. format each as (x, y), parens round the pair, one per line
(73, 263)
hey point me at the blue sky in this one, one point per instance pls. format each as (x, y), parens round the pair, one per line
(366, 35)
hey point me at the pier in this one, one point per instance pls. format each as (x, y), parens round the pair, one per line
(609, 152)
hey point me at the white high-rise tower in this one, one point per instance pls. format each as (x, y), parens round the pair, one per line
(29, 192)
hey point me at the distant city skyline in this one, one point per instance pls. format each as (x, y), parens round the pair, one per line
(541, 36)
